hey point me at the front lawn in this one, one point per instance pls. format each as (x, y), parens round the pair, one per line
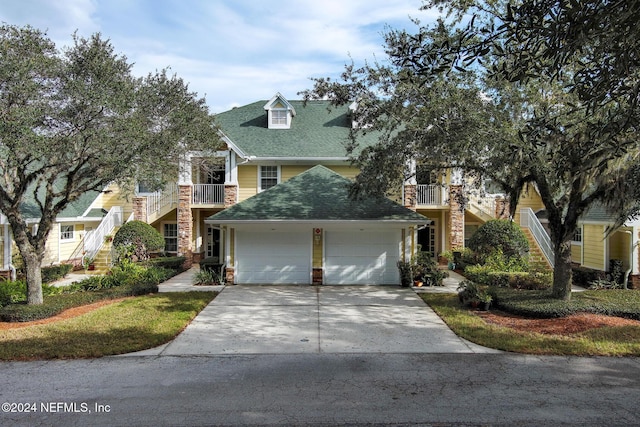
(604, 341)
(126, 326)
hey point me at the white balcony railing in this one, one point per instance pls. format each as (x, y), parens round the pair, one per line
(430, 195)
(208, 194)
(528, 219)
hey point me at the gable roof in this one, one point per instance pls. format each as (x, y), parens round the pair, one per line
(76, 209)
(278, 100)
(318, 194)
(317, 131)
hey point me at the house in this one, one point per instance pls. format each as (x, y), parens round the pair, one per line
(272, 205)
(593, 246)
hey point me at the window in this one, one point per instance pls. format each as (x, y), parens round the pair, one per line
(577, 236)
(170, 237)
(278, 117)
(268, 177)
(426, 176)
(66, 232)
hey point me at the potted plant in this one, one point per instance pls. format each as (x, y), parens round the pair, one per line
(88, 263)
(449, 258)
(485, 300)
(108, 238)
(404, 268)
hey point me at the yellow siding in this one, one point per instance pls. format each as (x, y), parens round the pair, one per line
(576, 253)
(67, 247)
(528, 199)
(113, 197)
(593, 246)
(289, 171)
(51, 247)
(247, 181)
(347, 171)
(619, 247)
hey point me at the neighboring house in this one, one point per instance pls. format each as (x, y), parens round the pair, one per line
(79, 231)
(272, 205)
(593, 246)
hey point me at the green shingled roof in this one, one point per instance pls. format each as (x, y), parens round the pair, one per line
(316, 194)
(75, 209)
(316, 131)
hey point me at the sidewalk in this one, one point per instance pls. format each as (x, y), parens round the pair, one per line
(183, 282)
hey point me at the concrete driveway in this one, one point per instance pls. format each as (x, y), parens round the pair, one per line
(269, 319)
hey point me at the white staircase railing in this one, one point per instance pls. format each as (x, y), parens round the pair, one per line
(94, 239)
(160, 199)
(528, 219)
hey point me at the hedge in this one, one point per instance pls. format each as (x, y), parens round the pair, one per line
(584, 276)
(55, 272)
(540, 304)
(174, 263)
(56, 304)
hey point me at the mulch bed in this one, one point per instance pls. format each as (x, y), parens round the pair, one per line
(569, 325)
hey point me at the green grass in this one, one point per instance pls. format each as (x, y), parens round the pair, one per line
(131, 325)
(610, 341)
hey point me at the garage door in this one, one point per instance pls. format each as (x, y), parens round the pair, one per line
(273, 257)
(362, 257)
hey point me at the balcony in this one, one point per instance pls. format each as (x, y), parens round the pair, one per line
(430, 195)
(208, 194)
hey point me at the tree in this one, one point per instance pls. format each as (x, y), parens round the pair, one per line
(73, 121)
(530, 92)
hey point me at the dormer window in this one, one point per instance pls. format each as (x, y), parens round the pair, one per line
(279, 117)
(280, 112)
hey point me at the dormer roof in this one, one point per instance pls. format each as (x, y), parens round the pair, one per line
(279, 102)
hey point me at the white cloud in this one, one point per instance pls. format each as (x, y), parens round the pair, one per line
(234, 51)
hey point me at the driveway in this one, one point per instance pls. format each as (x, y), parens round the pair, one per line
(254, 319)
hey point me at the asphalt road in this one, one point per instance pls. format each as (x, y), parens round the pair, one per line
(323, 389)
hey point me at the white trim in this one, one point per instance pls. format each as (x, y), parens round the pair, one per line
(346, 222)
(66, 239)
(278, 176)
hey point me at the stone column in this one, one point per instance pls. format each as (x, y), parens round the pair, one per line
(410, 196)
(456, 217)
(502, 208)
(185, 224)
(230, 195)
(140, 209)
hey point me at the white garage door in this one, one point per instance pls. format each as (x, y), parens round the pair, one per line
(362, 257)
(273, 257)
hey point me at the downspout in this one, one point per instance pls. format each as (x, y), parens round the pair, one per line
(625, 284)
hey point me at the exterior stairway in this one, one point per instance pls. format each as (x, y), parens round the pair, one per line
(103, 259)
(536, 256)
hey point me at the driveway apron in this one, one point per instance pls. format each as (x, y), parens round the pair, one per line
(254, 319)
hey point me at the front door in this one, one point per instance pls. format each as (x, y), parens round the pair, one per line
(427, 239)
(213, 243)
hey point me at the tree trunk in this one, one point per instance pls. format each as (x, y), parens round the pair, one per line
(32, 257)
(32, 263)
(562, 271)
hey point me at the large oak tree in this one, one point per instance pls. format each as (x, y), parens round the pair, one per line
(77, 119)
(541, 92)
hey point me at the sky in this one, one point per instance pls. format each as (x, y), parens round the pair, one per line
(231, 52)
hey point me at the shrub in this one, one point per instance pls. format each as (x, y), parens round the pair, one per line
(175, 262)
(584, 276)
(425, 268)
(55, 272)
(404, 268)
(136, 239)
(207, 277)
(500, 234)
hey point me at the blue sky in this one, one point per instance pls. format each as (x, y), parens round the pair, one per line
(232, 52)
